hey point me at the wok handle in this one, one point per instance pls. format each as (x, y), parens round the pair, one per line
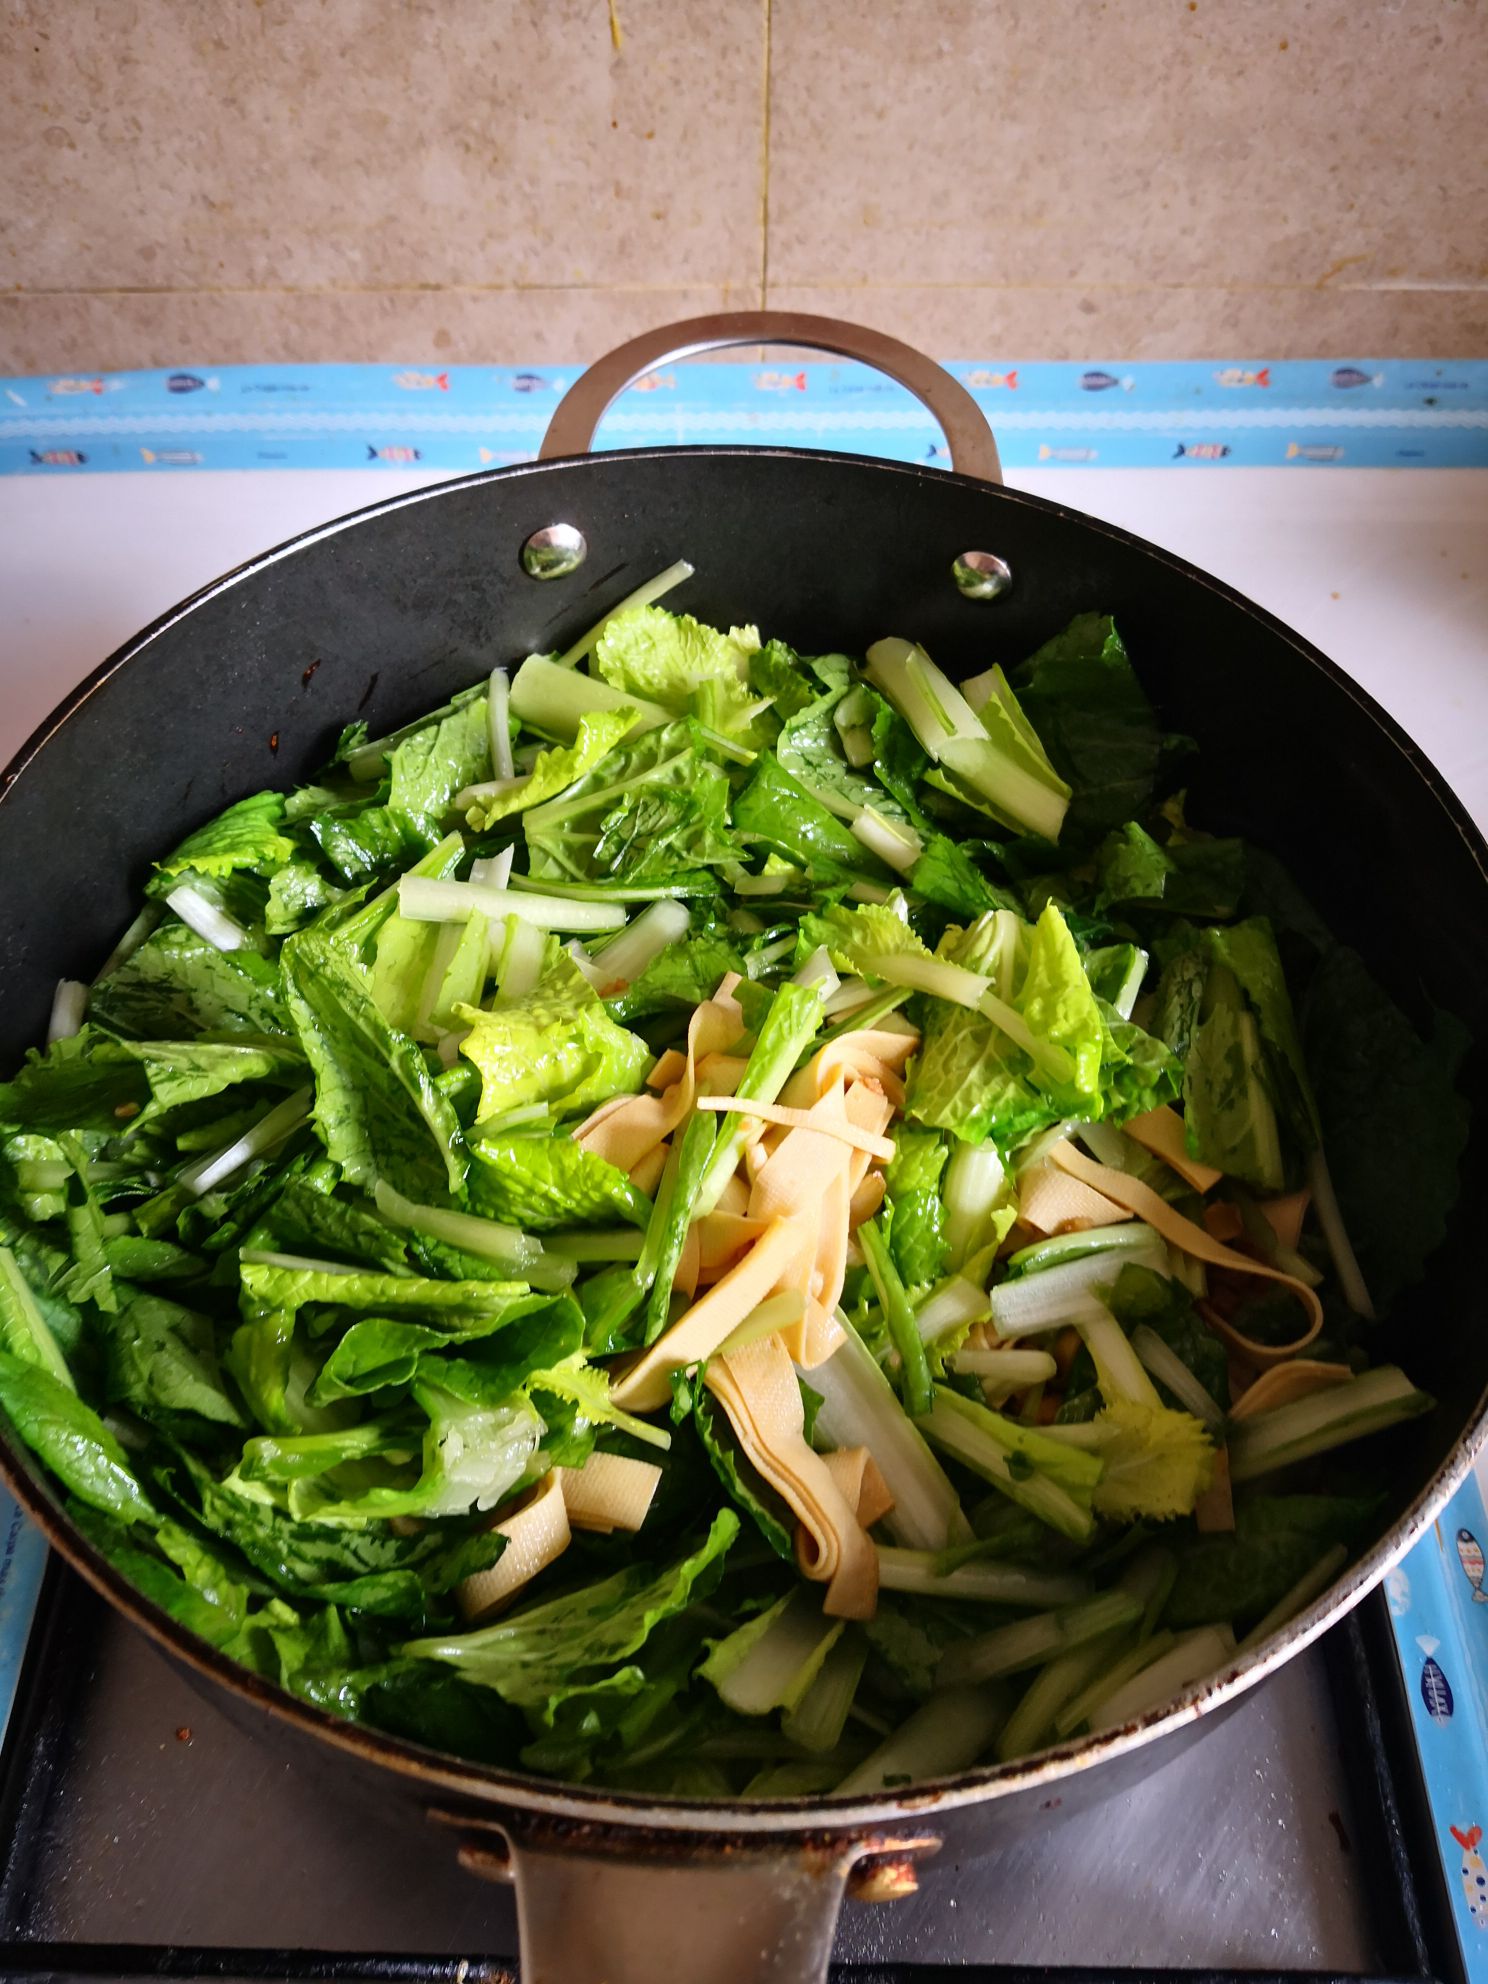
(973, 448)
(599, 1905)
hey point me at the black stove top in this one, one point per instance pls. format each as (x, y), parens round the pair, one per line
(147, 1836)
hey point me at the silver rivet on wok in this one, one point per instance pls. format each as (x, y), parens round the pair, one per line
(981, 575)
(553, 552)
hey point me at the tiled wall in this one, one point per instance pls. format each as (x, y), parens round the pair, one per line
(534, 179)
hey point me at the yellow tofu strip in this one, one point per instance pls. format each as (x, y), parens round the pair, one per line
(536, 1534)
(1214, 1511)
(1286, 1382)
(1285, 1216)
(646, 1175)
(758, 1389)
(626, 1129)
(1191, 1239)
(644, 1385)
(1161, 1131)
(863, 1487)
(608, 1492)
(800, 1119)
(1051, 1201)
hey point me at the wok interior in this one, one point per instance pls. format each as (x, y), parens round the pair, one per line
(386, 618)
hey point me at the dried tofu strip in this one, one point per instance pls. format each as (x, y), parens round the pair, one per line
(609, 1492)
(1051, 1201)
(1161, 1131)
(536, 1534)
(1286, 1382)
(866, 1200)
(627, 1128)
(800, 1119)
(1191, 1239)
(646, 1175)
(758, 1389)
(1214, 1511)
(645, 1385)
(1285, 1216)
(863, 1487)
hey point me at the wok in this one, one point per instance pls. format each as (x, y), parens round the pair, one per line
(384, 614)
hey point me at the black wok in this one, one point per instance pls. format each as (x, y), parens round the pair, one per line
(385, 613)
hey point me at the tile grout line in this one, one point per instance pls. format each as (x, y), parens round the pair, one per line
(764, 275)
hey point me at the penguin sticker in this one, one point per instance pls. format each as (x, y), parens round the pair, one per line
(1474, 1874)
(1470, 1557)
(1436, 1693)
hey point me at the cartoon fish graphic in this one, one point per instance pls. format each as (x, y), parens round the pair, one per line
(66, 388)
(12, 395)
(1236, 375)
(654, 382)
(1470, 1557)
(188, 382)
(1474, 1874)
(58, 457)
(1048, 454)
(1299, 451)
(780, 382)
(1345, 376)
(396, 454)
(172, 457)
(530, 382)
(422, 382)
(987, 380)
(1201, 451)
(1398, 1592)
(1102, 382)
(1436, 1692)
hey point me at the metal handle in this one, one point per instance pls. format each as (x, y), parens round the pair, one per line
(600, 1904)
(973, 449)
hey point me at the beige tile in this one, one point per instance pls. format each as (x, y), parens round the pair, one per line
(1082, 144)
(380, 144)
(956, 322)
(513, 327)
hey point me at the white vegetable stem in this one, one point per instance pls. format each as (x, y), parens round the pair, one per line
(1313, 1425)
(655, 930)
(1309, 1586)
(860, 1408)
(487, 1239)
(69, 1009)
(995, 1584)
(1195, 1655)
(954, 1305)
(265, 1134)
(643, 595)
(1029, 1642)
(206, 919)
(499, 708)
(495, 872)
(948, 1733)
(973, 1185)
(423, 900)
(1165, 1363)
(896, 846)
(551, 700)
(131, 940)
(1069, 1293)
(1330, 1218)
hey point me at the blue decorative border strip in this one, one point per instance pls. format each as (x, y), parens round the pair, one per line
(1365, 413)
(1439, 1609)
(23, 1558)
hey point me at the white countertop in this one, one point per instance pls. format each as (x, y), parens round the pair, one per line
(1384, 569)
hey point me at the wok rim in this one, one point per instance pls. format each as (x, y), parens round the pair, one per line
(622, 1812)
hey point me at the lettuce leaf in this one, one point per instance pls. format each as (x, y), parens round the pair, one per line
(67, 1436)
(1082, 697)
(177, 984)
(557, 768)
(1276, 1540)
(245, 836)
(1393, 1121)
(428, 768)
(558, 1046)
(777, 810)
(917, 1228)
(671, 659)
(1193, 877)
(534, 1655)
(543, 1182)
(377, 1108)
